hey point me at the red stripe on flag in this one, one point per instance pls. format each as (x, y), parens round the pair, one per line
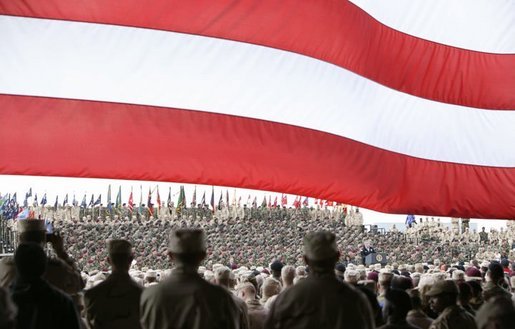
(337, 32)
(95, 139)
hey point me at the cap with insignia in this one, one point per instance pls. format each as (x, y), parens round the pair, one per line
(320, 245)
(187, 241)
(119, 246)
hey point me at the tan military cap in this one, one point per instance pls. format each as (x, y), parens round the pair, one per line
(443, 287)
(31, 225)
(320, 245)
(119, 246)
(187, 241)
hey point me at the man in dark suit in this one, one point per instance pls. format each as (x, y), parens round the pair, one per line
(366, 250)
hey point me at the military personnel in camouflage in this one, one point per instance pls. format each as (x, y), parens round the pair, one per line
(61, 270)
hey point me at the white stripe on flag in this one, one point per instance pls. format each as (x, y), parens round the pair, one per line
(141, 66)
(482, 25)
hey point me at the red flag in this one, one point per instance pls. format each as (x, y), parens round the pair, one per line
(284, 200)
(275, 202)
(131, 203)
(149, 203)
(158, 199)
(296, 203)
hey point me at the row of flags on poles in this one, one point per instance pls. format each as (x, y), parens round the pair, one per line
(10, 208)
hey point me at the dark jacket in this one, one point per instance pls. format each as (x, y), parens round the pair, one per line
(40, 305)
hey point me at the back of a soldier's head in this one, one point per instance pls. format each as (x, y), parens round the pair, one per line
(320, 250)
(187, 246)
(120, 252)
(288, 274)
(222, 275)
(30, 260)
(32, 230)
(247, 291)
(495, 272)
(497, 313)
(397, 304)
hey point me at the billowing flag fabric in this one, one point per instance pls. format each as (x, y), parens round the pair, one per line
(169, 201)
(297, 202)
(83, 204)
(43, 200)
(194, 197)
(98, 201)
(23, 214)
(284, 200)
(181, 202)
(35, 202)
(119, 198)
(140, 206)
(221, 200)
(92, 201)
(109, 206)
(158, 198)
(65, 201)
(130, 203)
(203, 201)
(149, 203)
(263, 203)
(27, 196)
(212, 198)
(396, 106)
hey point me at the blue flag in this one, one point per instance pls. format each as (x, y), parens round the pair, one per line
(83, 203)
(109, 206)
(99, 200)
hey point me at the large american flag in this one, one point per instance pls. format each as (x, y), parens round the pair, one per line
(398, 106)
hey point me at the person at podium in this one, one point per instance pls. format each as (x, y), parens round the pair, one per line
(366, 250)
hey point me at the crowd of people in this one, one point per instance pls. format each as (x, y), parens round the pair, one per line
(256, 259)
(242, 236)
(48, 289)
